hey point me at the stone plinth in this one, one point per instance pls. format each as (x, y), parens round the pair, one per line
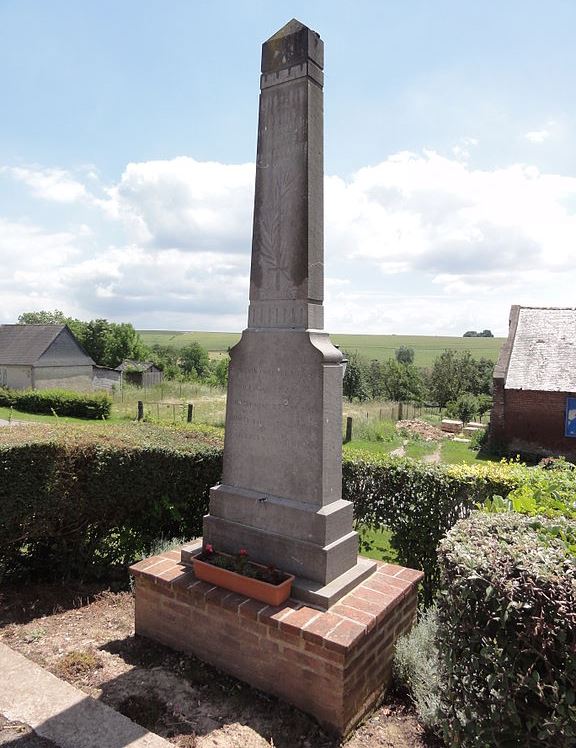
(281, 491)
(334, 665)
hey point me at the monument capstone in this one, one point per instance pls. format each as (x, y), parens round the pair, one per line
(281, 491)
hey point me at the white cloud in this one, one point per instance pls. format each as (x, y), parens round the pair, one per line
(188, 204)
(418, 243)
(537, 136)
(540, 136)
(432, 214)
(57, 185)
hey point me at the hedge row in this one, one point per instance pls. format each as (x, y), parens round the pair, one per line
(86, 503)
(420, 502)
(93, 405)
(75, 502)
(507, 632)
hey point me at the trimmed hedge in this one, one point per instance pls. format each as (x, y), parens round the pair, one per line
(78, 500)
(419, 503)
(93, 405)
(85, 502)
(507, 632)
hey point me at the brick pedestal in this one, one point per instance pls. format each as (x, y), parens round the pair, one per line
(332, 664)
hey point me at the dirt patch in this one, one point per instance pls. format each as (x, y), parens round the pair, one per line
(88, 637)
(420, 429)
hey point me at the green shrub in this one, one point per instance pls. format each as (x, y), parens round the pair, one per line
(87, 501)
(478, 440)
(550, 492)
(463, 408)
(417, 668)
(93, 405)
(128, 484)
(376, 431)
(507, 633)
(419, 502)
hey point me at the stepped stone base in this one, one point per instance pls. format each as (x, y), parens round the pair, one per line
(317, 594)
(333, 664)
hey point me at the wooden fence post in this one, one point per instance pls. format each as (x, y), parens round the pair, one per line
(190, 411)
(140, 410)
(348, 437)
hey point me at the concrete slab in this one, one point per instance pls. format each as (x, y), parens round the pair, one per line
(61, 713)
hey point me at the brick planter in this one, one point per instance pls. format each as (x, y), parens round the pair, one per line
(332, 664)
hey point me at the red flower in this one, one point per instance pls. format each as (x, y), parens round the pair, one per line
(208, 548)
(243, 552)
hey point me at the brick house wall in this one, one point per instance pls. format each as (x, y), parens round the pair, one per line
(524, 420)
(533, 422)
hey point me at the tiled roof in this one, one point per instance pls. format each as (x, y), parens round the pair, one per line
(130, 365)
(543, 355)
(24, 345)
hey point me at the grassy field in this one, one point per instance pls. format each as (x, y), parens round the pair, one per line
(381, 347)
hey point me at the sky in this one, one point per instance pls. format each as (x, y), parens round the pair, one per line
(128, 139)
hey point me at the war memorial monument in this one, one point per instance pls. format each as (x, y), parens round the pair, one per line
(328, 649)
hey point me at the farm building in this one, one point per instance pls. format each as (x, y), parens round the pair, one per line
(43, 357)
(105, 378)
(140, 373)
(534, 409)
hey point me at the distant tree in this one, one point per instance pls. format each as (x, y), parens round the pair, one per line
(484, 404)
(165, 357)
(402, 382)
(94, 340)
(194, 360)
(43, 318)
(464, 407)
(474, 334)
(354, 384)
(107, 343)
(405, 355)
(374, 381)
(453, 372)
(122, 342)
(481, 377)
(221, 370)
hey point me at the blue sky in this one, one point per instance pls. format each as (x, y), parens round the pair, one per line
(128, 134)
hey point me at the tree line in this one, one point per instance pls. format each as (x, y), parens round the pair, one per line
(110, 343)
(455, 378)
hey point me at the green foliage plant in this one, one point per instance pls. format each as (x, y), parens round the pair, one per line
(194, 360)
(464, 407)
(85, 501)
(507, 632)
(404, 355)
(107, 343)
(417, 667)
(355, 384)
(420, 502)
(90, 405)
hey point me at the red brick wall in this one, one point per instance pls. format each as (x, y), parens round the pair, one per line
(530, 421)
(334, 665)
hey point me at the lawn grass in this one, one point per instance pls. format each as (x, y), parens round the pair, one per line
(419, 449)
(381, 347)
(375, 543)
(371, 447)
(11, 414)
(454, 453)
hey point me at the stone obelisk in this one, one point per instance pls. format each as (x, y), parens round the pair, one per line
(281, 491)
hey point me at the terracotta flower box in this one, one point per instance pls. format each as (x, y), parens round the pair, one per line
(266, 592)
